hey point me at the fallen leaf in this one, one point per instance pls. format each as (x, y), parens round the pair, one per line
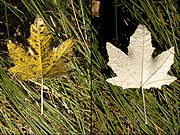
(40, 60)
(139, 69)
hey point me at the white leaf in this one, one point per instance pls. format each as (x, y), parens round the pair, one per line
(139, 68)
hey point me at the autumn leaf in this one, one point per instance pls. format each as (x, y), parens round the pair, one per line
(139, 68)
(41, 60)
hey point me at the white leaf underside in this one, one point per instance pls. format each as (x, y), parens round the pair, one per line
(139, 68)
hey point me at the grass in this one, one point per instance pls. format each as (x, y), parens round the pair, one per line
(67, 101)
(84, 102)
(121, 111)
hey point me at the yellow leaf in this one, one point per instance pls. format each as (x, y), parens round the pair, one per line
(40, 60)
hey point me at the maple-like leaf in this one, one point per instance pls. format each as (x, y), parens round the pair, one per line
(139, 69)
(41, 60)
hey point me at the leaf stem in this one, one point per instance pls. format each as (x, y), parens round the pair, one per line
(144, 104)
(41, 95)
